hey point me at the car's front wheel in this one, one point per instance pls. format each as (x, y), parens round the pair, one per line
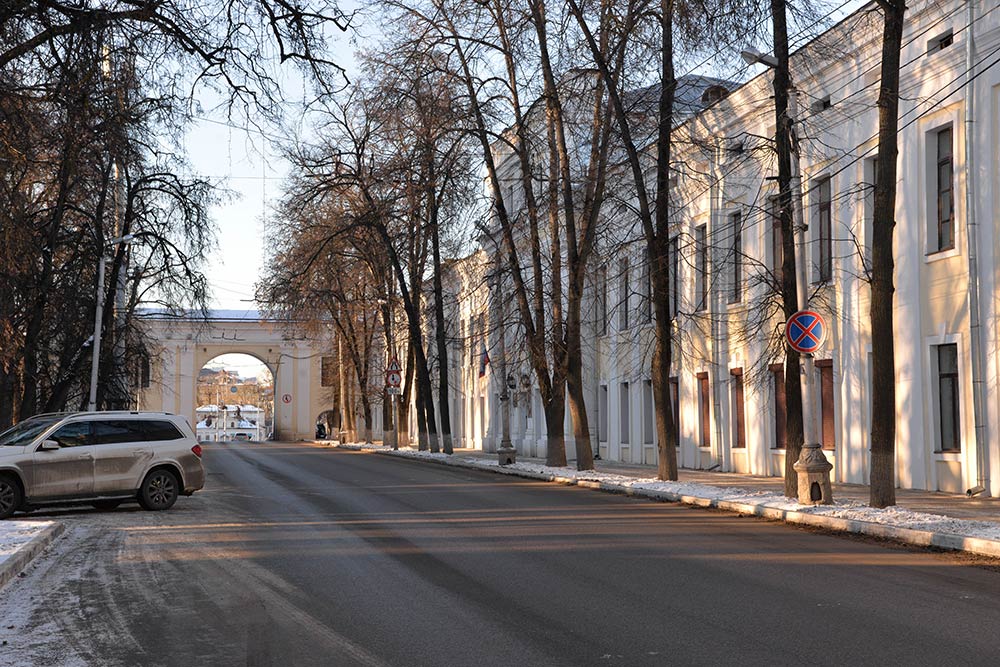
(159, 490)
(10, 496)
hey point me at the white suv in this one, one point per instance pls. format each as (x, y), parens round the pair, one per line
(104, 458)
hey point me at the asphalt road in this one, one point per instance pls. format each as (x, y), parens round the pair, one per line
(303, 555)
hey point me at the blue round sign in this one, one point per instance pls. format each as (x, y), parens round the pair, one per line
(805, 331)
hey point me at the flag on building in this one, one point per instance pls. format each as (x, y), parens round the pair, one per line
(484, 359)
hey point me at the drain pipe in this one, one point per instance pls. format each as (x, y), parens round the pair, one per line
(716, 202)
(971, 232)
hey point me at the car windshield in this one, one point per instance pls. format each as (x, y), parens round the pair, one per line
(26, 431)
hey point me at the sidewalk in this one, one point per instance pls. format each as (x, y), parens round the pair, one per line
(930, 502)
(920, 518)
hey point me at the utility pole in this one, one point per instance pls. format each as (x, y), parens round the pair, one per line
(506, 453)
(812, 468)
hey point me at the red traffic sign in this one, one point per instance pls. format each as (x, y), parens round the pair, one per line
(393, 365)
(286, 398)
(393, 378)
(805, 331)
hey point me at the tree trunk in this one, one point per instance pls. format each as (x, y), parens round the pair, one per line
(883, 449)
(574, 382)
(555, 433)
(789, 297)
(6, 399)
(403, 408)
(442, 334)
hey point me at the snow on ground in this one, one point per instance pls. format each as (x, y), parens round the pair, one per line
(15, 534)
(896, 516)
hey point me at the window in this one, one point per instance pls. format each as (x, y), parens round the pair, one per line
(945, 237)
(736, 266)
(623, 294)
(704, 421)
(646, 301)
(871, 176)
(77, 434)
(827, 437)
(160, 429)
(739, 423)
(624, 415)
(823, 218)
(675, 405)
(472, 341)
(948, 413)
(821, 104)
(777, 239)
(674, 275)
(941, 42)
(647, 412)
(144, 372)
(602, 414)
(328, 372)
(602, 300)
(778, 376)
(701, 266)
(109, 432)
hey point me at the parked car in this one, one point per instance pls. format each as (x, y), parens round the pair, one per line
(104, 458)
(242, 437)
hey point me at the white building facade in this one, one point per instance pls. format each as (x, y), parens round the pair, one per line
(728, 373)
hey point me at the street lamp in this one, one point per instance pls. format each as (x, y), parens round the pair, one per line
(98, 316)
(812, 465)
(506, 453)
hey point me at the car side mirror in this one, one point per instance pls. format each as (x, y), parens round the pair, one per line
(48, 445)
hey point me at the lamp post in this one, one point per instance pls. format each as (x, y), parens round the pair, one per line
(506, 453)
(812, 466)
(98, 316)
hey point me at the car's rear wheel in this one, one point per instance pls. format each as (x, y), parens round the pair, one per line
(10, 496)
(159, 490)
(106, 505)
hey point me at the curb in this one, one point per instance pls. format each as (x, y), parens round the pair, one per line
(921, 538)
(10, 567)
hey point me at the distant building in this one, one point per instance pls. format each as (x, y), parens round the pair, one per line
(221, 423)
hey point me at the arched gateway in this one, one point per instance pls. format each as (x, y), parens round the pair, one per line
(182, 346)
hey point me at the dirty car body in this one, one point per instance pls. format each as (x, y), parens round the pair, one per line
(100, 457)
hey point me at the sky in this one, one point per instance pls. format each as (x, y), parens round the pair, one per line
(248, 164)
(232, 153)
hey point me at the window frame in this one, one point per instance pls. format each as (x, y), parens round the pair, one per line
(624, 289)
(701, 267)
(673, 275)
(827, 404)
(824, 228)
(777, 237)
(704, 410)
(939, 161)
(739, 408)
(954, 377)
(736, 288)
(674, 384)
(780, 441)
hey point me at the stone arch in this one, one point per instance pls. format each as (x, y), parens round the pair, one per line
(183, 346)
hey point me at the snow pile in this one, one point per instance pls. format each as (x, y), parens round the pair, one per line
(896, 516)
(15, 534)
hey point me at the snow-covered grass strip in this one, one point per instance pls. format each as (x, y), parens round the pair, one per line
(921, 528)
(20, 541)
(15, 534)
